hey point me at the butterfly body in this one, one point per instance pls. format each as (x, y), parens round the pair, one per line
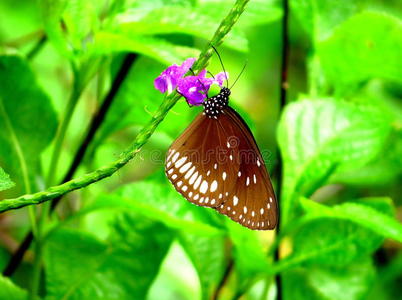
(216, 163)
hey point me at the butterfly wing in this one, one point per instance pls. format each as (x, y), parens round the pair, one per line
(252, 202)
(196, 162)
(216, 163)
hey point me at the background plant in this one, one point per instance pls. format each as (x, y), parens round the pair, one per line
(76, 91)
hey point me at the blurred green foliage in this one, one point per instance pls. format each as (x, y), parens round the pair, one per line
(132, 236)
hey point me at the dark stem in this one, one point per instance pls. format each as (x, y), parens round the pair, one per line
(97, 120)
(37, 47)
(223, 281)
(283, 94)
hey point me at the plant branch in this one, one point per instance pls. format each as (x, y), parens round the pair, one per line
(108, 170)
(283, 95)
(224, 279)
(79, 155)
(98, 119)
(37, 47)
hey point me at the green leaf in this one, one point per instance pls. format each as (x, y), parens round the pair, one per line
(361, 214)
(176, 19)
(8, 290)
(160, 202)
(332, 283)
(51, 12)
(249, 256)
(156, 48)
(329, 239)
(379, 172)
(28, 121)
(78, 266)
(208, 257)
(318, 138)
(5, 181)
(366, 41)
(320, 17)
(81, 22)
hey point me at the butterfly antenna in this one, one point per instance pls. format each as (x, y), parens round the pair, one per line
(238, 76)
(223, 67)
(211, 74)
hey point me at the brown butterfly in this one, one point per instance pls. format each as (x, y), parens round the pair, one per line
(216, 163)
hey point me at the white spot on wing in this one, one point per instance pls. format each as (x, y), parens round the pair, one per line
(179, 183)
(185, 167)
(214, 186)
(184, 188)
(248, 181)
(239, 174)
(197, 183)
(188, 174)
(204, 187)
(262, 211)
(245, 209)
(258, 162)
(174, 176)
(224, 175)
(180, 162)
(175, 157)
(215, 166)
(193, 178)
(235, 200)
(213, 201)
(254, 179)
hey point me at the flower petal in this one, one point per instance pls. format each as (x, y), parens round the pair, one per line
(168, 79)
(221, 77)
(194, 88)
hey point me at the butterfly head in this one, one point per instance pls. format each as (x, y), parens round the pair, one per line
(214, 106)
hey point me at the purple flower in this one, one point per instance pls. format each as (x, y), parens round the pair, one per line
(221, 77)
(195, 88)
(168, 79)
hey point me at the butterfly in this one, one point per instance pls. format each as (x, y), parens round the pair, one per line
(216, 163)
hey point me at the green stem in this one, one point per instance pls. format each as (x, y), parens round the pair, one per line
(51, 176)
(142, 137)
(61, 132)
